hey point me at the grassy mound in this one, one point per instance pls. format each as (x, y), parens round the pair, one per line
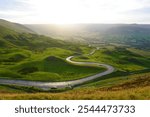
(9, 74)
(54, 69)
(44, 76)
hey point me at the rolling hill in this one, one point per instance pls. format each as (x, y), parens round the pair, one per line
(17, 35)
(31, 56)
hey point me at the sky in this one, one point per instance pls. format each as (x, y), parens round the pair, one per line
(75, 11)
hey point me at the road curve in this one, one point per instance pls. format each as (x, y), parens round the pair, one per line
(48, 85)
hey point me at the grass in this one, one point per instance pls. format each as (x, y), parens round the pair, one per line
(89, 93)
(4, 73)
(107, 81)
(121, 58)
(16, 63)
(60, 69)
(28, 60)
(140, 52)
(51, 69)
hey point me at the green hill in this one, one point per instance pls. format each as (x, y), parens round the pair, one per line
(121, 58)
(53, 68)
(17, 35)
(15, 26)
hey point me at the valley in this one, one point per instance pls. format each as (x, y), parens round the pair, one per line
(78, 62)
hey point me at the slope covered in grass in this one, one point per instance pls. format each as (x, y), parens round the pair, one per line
(119, 57)
(53, 69)
(15, 26)
(45, 65)
(14, 35)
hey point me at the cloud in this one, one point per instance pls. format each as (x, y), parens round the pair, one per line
(76, 11)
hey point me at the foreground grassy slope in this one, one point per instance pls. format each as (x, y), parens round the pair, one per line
(128, 94)
(138, 87)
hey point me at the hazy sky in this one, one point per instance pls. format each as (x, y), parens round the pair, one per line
(75, 11)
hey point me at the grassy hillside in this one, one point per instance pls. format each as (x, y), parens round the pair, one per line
(15, 26)
(29, 56)
(17, 35)
(121, 58)
(52, 69)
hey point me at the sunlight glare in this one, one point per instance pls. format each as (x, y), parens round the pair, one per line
(81, 11)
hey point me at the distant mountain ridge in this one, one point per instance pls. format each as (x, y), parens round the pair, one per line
(137, 35)
(134, 35)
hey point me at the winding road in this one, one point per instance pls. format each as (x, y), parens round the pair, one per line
(48, 85)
